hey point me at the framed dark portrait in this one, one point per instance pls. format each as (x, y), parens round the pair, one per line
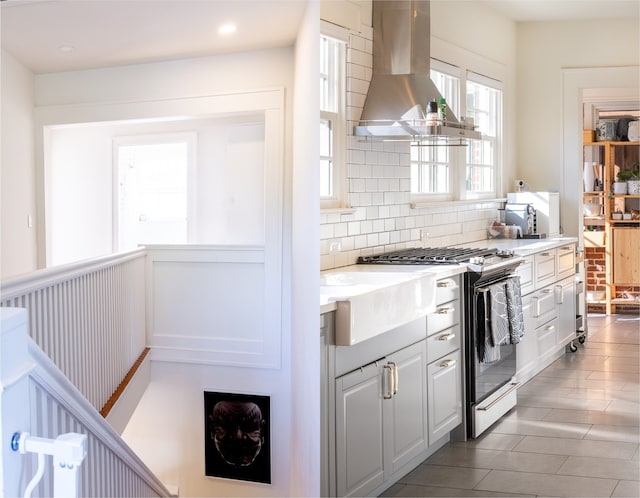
(237, 436)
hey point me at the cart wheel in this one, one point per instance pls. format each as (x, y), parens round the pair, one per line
(572, 347)
(581, 339)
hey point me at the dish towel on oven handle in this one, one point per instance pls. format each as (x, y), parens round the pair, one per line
(500, 333)
(500, 319)
(514, 310)
(486, 351)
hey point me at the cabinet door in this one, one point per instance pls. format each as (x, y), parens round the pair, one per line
(547, 340)
(359, 448)
(405, 414)
(444, 394)
(566, 301)
(527, 348)
(626, 247)
(566, 260)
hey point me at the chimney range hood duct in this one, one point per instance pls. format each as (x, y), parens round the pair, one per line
(400, 88)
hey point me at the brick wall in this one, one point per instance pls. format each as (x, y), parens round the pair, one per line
(595, 273)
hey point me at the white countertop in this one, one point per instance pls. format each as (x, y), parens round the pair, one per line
(522, 247)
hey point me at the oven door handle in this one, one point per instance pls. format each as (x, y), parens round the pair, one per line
(498, 399)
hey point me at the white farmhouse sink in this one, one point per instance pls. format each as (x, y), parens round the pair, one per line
(370, 303)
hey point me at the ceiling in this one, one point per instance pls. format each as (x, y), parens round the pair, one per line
(566, 10)
(64, 35)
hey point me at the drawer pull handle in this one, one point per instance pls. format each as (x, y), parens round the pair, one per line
(546, 254)
(447, 363)
(547, 291)
(446, 337)
(445, 284)
(551, 327)
(445, 311)
(566, 248)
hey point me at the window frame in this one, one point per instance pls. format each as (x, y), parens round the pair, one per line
(338, 118)
(497, 141)
(459, 64)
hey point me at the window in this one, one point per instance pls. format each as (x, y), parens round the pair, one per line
(484, 105)
(471, 172)
(332, 97)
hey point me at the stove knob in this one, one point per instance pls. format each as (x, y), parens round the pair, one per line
(477, 260)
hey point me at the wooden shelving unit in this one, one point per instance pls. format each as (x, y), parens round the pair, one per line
(620, 239)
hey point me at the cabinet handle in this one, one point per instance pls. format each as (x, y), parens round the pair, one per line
(566, 248)
(445, 311)
(447, 363)
(545, 254)
(547, 291)
(526, 261)
(550, 327)
(446, 337)
(559, 294)
(389, 376)
(445, 283)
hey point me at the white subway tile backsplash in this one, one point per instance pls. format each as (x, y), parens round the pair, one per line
(340, 229)
(358, 185)
(360, 242)
(353, 228)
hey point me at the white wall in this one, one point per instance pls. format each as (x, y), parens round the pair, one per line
(172, 411)
(545, 49)
(305, 277)
(18, 198)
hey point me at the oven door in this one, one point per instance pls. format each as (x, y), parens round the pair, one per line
(491, 368)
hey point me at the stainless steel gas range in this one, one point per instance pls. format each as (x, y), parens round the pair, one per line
(490, 390)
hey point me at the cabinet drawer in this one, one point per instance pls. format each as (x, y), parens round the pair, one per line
(447, 289)
(443, 343)
(544, 268)
(547, 337)
(445, 316)
(566, 260)
(543, 305)
(525, 272)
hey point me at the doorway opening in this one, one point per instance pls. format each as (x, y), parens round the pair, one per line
(153, 190)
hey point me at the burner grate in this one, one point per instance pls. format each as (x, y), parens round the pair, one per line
(427, 256)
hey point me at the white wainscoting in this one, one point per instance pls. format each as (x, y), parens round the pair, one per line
(214, 305)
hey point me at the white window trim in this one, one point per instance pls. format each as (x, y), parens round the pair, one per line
(340, 124)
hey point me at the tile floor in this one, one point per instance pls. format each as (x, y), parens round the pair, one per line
(575, 431)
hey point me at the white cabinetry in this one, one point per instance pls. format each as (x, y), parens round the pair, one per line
(381, 419)
(547, 281)
(444, 372)
(445, 395)
(565, 292)
(392, 400)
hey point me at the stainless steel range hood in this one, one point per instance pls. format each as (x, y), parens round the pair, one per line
(395, 106)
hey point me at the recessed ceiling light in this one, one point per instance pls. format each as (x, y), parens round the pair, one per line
(227, 29)
(65, 49)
